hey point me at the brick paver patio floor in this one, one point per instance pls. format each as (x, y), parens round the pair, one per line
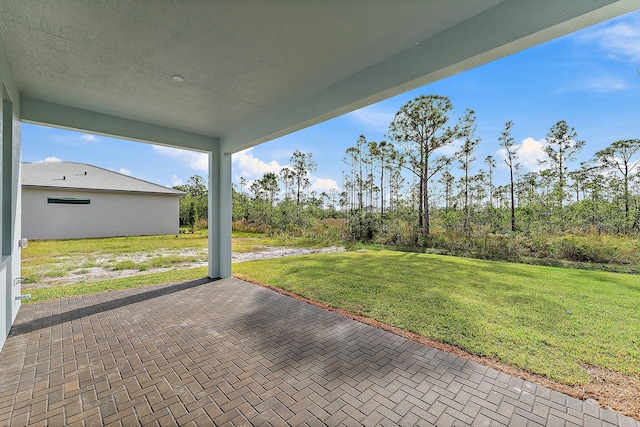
(227, 352)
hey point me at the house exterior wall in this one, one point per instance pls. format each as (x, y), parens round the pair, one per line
(10, 146)
(107, 214)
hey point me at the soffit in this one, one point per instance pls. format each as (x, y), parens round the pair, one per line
(240, 59)
(257, 69)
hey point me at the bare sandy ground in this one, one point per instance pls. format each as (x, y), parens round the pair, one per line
(93, 274)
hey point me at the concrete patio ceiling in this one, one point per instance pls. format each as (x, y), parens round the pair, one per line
(254, 70)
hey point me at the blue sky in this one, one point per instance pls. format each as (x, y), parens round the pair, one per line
(590, 79)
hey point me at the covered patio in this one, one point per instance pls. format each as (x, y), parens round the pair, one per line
(227, 352)
(220, 77)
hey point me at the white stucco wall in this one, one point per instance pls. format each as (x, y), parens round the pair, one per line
(108, 214)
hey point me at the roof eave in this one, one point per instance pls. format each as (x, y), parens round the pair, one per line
(175, 193)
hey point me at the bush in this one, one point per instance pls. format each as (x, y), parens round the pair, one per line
(364, 227)
(396, 233)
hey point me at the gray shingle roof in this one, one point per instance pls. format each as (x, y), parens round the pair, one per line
(80, 176)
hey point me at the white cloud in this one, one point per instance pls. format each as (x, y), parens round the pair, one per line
(603, 82)
(250, 167)
(373, 118)
(194, 160)
(530, 152)
(88, 137)
(49, 159)
(322, 184)
(176, 180)
(620, 40)
(124, 171)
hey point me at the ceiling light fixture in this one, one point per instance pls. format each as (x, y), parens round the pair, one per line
(178, 78)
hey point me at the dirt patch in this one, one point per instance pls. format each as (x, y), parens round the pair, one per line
(609, 389)
(103, 266)
(615, 390)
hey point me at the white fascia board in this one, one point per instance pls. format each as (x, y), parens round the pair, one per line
(62, 116)
(509, 27)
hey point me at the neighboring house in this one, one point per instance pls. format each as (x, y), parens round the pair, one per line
(372, 209)
(66, 200)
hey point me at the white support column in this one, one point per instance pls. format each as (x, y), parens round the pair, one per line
(219, 214)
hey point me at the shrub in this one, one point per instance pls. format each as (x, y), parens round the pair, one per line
(364, 226)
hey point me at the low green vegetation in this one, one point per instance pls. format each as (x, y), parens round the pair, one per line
(546, 320)
(597, 252)
(125, 265)
(65, 291)
(43, 249)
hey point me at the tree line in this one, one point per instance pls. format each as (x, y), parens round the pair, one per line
(601, 195)
(422, 185)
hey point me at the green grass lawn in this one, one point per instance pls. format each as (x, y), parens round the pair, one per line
(64, 291)
(546, 320)
(42, 249)
(254, 242)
